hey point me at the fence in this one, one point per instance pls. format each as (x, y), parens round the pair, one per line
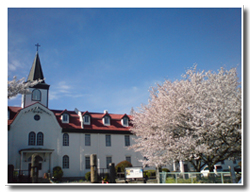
(196, 177)
(21, 176)
(102, 173)
(120, 175)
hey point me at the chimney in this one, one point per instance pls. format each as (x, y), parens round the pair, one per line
(80, 116)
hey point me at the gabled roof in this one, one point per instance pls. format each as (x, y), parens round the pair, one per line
(36, 72)
(13, 111)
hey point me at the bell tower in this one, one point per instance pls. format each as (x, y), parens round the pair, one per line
(39, 92)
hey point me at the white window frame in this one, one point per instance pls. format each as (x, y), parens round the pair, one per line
(86, 117)
(125, 121)
(65, 115)
(106, 120)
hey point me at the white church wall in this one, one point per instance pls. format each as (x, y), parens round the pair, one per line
(77, 151)
(24, 123)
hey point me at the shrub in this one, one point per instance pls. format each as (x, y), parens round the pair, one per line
(165, 170)
(57, 173)
(87, 176)
(106, 178)
(120, 167)
(149, 173)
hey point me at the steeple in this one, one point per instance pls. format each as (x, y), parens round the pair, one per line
(36, 72)
(40, 91)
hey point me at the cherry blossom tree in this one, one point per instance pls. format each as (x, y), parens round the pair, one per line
(16, 87)
(195, 119)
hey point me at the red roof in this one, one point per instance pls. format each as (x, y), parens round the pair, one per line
(96, 122)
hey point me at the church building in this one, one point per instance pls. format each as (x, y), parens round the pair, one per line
(62, 137)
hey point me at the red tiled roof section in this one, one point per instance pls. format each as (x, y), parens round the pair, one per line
(12, 113)
(96, 122)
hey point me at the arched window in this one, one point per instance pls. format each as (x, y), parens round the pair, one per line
(65, 162)
(36, 95)
(40, 138)
(65, 139)
(32, 138)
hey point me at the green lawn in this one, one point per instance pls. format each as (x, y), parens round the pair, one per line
(198, 180)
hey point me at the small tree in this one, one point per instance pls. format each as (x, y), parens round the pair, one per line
(120, 167)
(57, 173)
(87, 176)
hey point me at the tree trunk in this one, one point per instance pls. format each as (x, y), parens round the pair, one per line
(158, 170)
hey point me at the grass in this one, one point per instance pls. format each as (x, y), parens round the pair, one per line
(198, 180)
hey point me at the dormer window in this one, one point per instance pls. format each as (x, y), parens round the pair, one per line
(65, 118)
(86, 119)
(36, 95)
(125, 121)
(106, 120)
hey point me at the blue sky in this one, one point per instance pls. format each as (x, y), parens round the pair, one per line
(100, 59)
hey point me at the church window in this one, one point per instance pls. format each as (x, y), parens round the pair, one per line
(36, 95)
(65, 118)
(86, 119)
(32, 138)
(37, 117)
(108, 161)
(106, 120)
(65, 139)
(128, 158)
(65, 162)
(40, 138)
(108, 140)
(125, 121)
(87, 162)
(127, 140)
(87, 140)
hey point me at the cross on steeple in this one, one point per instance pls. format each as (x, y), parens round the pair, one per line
(37, 45)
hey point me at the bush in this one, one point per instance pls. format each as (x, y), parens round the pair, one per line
(165, 170)
(57, 173)
(87, 176)
(149, 173)
(106, 178)
(120, 167)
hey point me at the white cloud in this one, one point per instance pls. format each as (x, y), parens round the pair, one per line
(53, 95)
(14, 65)
(63, 87)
